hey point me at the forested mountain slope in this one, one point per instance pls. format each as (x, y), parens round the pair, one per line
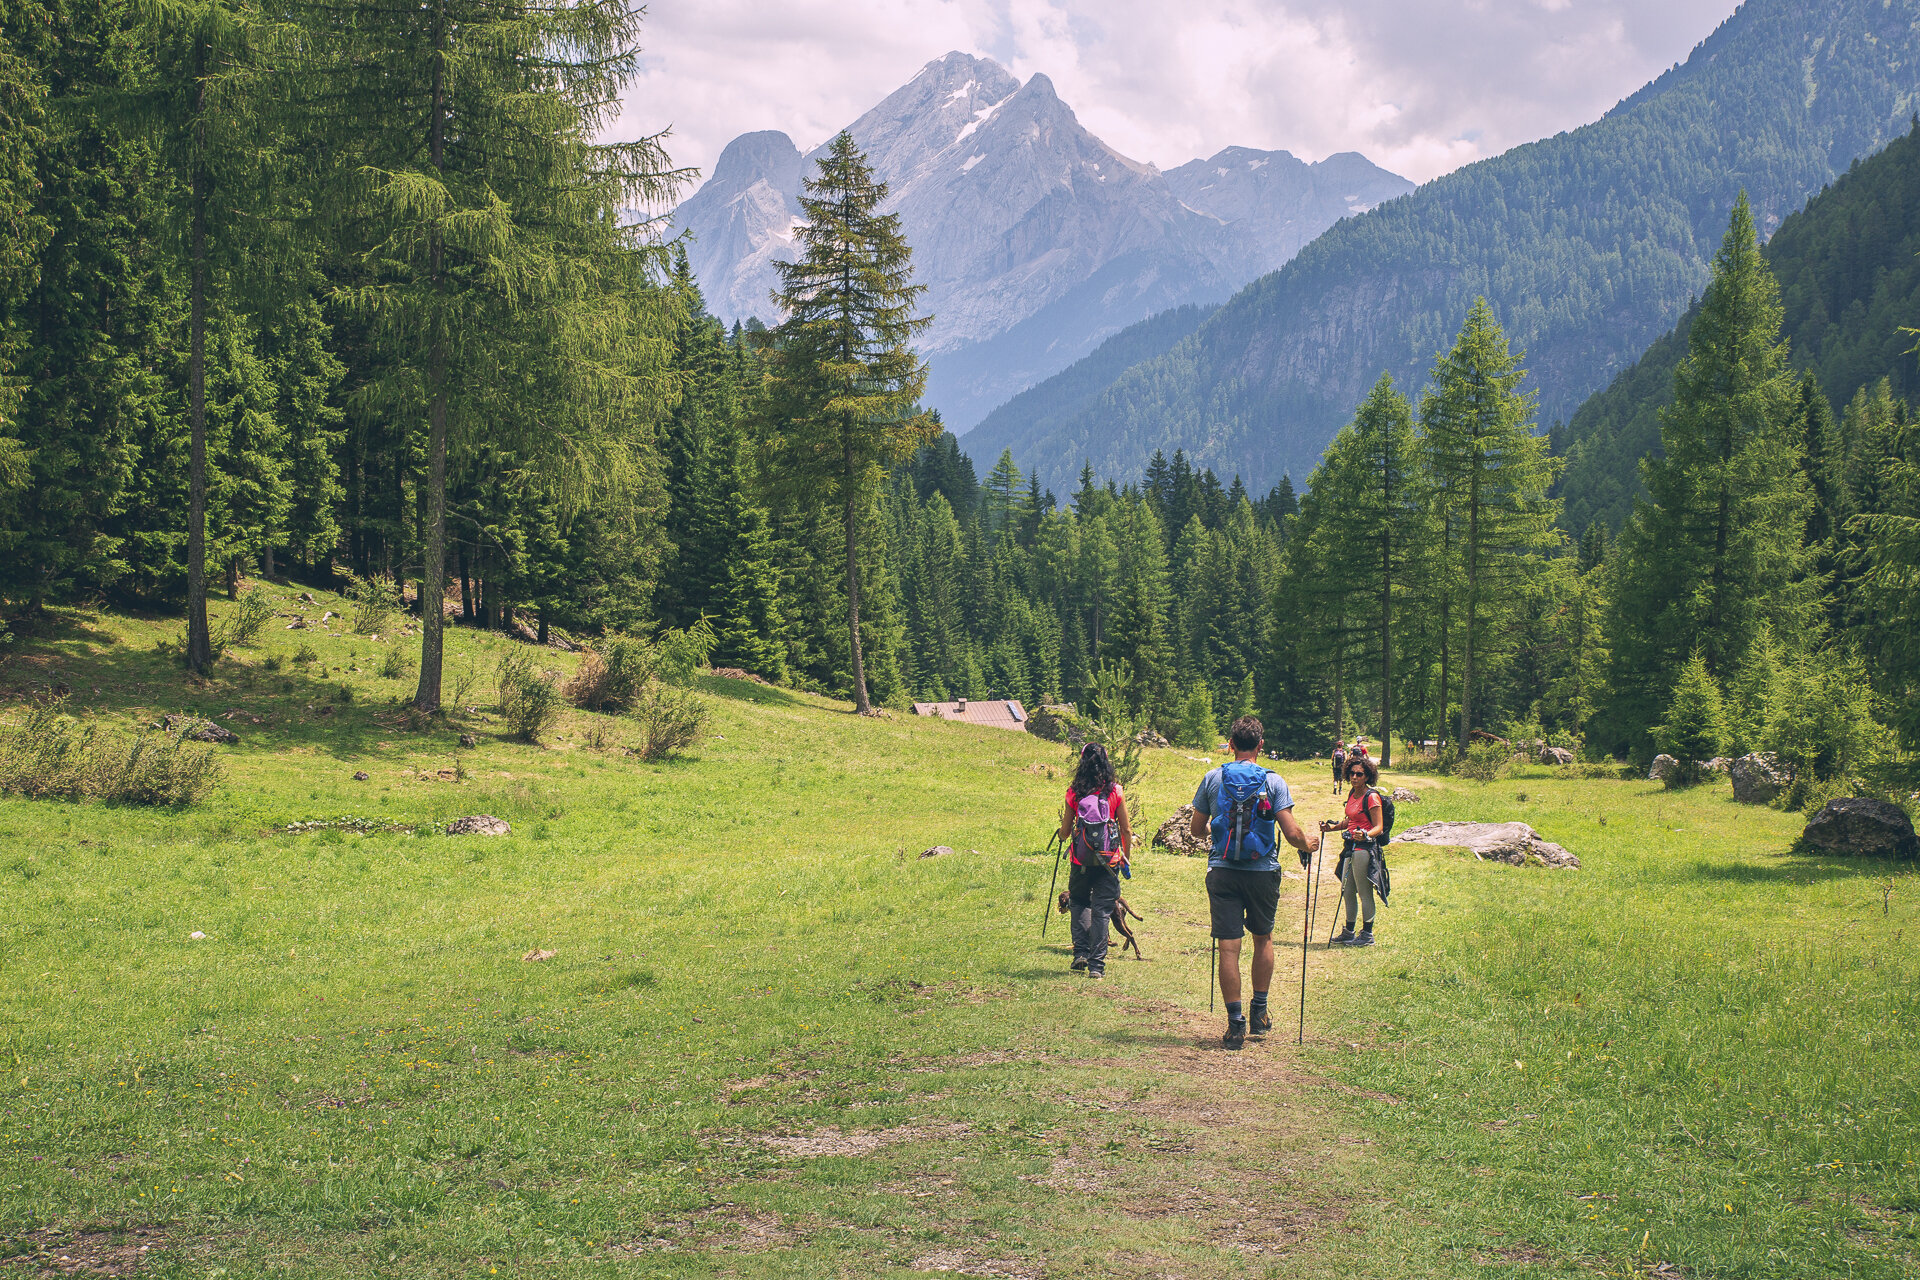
(1849, 272)
(1589, 244)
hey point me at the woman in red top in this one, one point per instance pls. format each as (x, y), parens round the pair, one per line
(1365, 822)
(1093, 884)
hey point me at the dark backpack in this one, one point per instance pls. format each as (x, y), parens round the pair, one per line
(1243, 819)
(1386, 815)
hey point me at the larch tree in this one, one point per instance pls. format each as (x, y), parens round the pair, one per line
(1490, 474)
(843, 379)
(499, 279)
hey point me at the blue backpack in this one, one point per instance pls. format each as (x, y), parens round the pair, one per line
(1243, 818)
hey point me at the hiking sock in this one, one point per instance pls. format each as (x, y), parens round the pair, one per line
(1233, 1012)
(1258, 1022)
(1259, 1009)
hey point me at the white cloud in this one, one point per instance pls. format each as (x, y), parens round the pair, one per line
(1420, 87)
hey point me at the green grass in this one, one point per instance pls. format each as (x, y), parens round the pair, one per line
(774, 1041)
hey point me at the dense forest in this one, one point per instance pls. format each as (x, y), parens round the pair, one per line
(1590, 244)
(1849, 272)
(281, 301)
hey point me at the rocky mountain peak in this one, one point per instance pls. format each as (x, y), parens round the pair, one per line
(767, 156)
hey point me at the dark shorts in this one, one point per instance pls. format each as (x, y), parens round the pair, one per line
(1242, 901)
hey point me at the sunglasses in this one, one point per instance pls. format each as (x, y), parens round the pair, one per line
(1358, 773)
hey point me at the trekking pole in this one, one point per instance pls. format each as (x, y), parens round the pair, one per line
(1306, 918)
(1213, 969)
(1047, 912)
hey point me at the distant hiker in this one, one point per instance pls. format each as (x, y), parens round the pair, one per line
(1240, 805)
(1339, 765)
(1365, 824)
(1099, 838)
(1359, 748)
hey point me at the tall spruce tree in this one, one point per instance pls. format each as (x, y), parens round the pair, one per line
(844, 381)
(1491, 474)
(1717, 550)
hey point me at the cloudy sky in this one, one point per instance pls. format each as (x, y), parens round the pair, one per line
(1420, 86)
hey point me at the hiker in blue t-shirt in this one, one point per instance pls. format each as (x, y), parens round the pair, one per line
(1241, 807)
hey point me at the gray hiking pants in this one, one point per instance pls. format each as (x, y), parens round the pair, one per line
(1356, 889)
(1091, 895)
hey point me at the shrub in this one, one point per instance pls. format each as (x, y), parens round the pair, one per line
(1484, 761)
(670, 718)
(398, 663)
(528, 701)
(343, 694)
(1696, 725)
(612, 678)
(682, 653)
(373, 604)
(274, 662)
(243, 626)
(48, 754)
(305, 655)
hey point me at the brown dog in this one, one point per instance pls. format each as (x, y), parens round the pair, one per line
(1118, 919)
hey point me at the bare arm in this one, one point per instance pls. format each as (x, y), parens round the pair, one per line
(1197, 825)
(1375, 808)
(1066, 822)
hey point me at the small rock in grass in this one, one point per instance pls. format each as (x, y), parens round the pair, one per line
(1514, 843)
(361, 776)
(468, 740)
(1405, 795)
(198, 730)
(939, 850)
(537, 955)
(1555, 755)
(197, 936)
(478, 824)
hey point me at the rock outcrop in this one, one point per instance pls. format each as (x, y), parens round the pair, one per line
(1555, 755)
(1402, 795)
(1175, 836)
(1758, 778)
(1665, 768)
(1862, 828)
(198, 730)
(1514, 843)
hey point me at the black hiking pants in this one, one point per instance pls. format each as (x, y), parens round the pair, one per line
(1091, 893)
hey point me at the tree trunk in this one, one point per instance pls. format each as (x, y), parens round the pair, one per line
(1473, 601)
(1446, 657)
(433, 568)
(1386, 650)
(542, 637)
(199, 638)
(1339, 693)
(860, 702)
(233, 577)
(266, 562)
(466, 588)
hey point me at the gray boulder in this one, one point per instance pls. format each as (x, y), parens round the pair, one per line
(198, 730)
(938, 851)
(1862, 828)
(1404, 795)
(1176, 836)
(1719, 764)
(1758, 778)
(1514, 843)
(468, 740)
(1665, 768)
(478, 824)
(1555, 755)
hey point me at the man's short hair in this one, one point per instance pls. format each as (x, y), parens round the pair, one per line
(1246, 733)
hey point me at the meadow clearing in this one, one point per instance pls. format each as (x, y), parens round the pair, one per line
(774, 1041)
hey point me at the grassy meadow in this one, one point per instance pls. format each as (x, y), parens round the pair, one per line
(774, 1041)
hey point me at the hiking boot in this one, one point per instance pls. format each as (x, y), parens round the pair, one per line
(1258, 1024)
(1096, 974)
(1236, 1035)
(1079, 962)
(1345, 937)
(1365, 937)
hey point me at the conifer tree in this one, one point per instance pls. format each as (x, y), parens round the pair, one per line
(1718, 548)
(1490, 474)
(844, 380)
(495, 279)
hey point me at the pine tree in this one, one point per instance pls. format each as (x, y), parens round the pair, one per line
(845, 382)
(1491, 474)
